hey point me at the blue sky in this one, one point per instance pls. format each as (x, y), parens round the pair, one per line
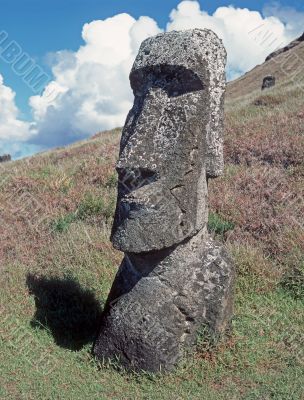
(42, 28)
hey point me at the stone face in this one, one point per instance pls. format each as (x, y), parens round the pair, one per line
(268, 82)
(171, 140)
(174, 279)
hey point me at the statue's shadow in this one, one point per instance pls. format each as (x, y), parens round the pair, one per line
(69, 312)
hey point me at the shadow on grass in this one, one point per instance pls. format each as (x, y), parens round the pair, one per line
(71, 313)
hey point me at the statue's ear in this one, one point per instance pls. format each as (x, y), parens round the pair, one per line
(214, 140)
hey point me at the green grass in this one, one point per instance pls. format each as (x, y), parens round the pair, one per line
(91, 206)
(293, 282)
(51, 297)
(62, 224)
(218, 225)
(47, 330)
(112, 181)
(54, 284)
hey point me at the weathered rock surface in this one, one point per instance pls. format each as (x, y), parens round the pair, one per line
(174, 279)
(158, 304)
(171, 140)
(268, 82)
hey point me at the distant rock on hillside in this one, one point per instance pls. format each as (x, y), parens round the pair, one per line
(286, 65)
(5, 158)
(268, 82)
(286, 48)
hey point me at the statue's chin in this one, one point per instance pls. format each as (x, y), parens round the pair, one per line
(151, 219)
(141, 235)
(151, 231)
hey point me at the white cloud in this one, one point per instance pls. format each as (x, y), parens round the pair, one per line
(90, 88)
(11, 128)
(13, 131)
(293, 19)
(247, 35)
(91, 84)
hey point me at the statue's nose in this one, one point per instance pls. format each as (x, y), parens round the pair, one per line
(142, 127)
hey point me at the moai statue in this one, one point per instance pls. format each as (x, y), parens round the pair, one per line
(174, 279)
(268, 82)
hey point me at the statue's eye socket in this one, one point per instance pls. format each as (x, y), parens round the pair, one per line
(176, 81)
(183, 82)
(135, 178)
(147, 174)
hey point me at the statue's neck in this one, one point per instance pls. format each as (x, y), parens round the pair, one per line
(145, 263)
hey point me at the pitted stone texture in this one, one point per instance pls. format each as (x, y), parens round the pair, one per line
(158, 304)
(174, 279)
(171, 142)
(203, 53)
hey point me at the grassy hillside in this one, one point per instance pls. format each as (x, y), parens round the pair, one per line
(57, 263)
(286, 67)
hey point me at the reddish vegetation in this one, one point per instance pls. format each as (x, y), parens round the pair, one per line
(38, 191)
(261, 192)
(275, 140)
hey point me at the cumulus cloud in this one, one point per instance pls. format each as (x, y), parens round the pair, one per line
(293, 19)
(11, 128)
(247, 35)
(90, 88)
(13, 131)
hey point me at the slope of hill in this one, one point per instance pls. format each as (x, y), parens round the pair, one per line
(287, 67)
(57, 263)
(290, 46)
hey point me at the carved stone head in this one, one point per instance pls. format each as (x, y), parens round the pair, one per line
(172, 141)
